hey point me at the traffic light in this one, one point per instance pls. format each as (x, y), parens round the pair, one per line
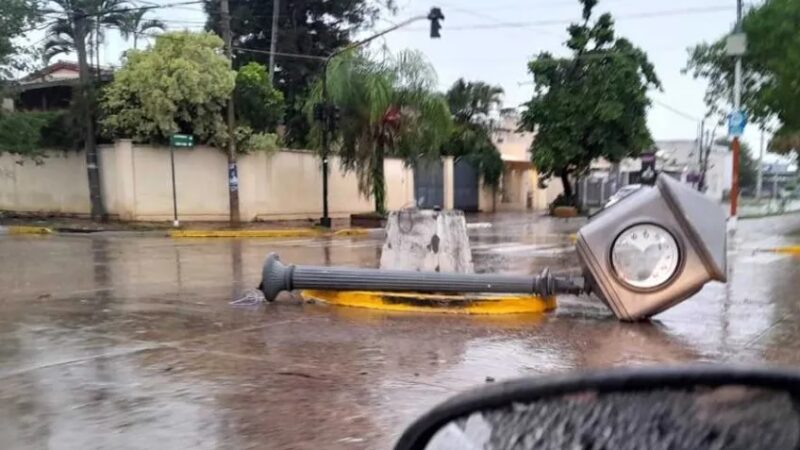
(435, 16)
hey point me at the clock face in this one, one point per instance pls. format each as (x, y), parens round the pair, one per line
(645, 256)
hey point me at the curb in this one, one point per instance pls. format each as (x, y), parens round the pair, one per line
(787, 250)
(25, 229)
(285, 233)
(435, 303)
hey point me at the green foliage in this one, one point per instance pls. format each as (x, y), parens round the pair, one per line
(590, 105)
(15, 17)
(93, 15)
(258, 104)
(771, 71)
(470, 104)
(136, 24)
(179, 85)
(484, 156)
(29, 134)
(306, 27)
(248, 141)
(473, 99)
(388, 107)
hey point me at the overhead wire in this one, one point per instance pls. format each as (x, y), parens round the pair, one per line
(675, 110)
(122, 10)
(550, 22)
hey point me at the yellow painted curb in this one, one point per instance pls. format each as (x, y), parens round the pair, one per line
(351, 232)
(285, 233)
(24, 229)
(436, 303)
(301, 232)
(789, 249)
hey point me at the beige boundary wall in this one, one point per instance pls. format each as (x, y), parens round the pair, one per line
(137, 185)
(58, 186)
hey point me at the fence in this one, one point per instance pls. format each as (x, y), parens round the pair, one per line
(594, 192)
(136, 184)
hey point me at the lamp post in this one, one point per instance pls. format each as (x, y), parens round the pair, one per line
(325, 112)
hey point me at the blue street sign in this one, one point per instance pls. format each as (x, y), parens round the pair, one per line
(736, 122)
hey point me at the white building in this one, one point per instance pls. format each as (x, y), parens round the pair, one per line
(520, 188)
(682, 159)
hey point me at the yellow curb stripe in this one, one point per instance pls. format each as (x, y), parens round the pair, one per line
(24, 229)
(281, 233)
(436, 303)
(245, 233)
(789, 249)
(351, 232)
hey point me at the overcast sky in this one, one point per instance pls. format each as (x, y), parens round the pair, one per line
(492, 41)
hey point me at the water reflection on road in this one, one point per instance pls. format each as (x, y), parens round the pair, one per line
(109, 341)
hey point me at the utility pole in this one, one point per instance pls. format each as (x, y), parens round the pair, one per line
(760, 174)
(737, 104)
(90, 145)
(233, 172)
(700, 154)
(273, 40)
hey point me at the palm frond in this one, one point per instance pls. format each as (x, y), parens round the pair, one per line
(56, 46)
(152, 24)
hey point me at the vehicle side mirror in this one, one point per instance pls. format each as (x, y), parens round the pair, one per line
(677, 408)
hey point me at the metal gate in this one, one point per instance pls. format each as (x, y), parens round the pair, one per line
(466, 186)
(429, 184)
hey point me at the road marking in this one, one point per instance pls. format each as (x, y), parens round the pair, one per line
(435, 303)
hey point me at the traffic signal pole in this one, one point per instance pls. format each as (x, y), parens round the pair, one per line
(328, 110)
(737, 103)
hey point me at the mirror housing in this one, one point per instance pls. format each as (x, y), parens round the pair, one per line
(614, 381)
(696, 223)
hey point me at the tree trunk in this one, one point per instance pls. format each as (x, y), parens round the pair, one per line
(494, 198)
(379, 181)
(97, 48)
(92, 169)
(564, 175)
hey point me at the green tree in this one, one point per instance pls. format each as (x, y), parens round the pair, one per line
(305, 27)
(179, 85)
(72, 30)
(771, 71)
(16, 16)
(136, 24)
(81, 26)
(473, 100)
(258, 104)
(388, 107)
(470, 138)
(590, 105)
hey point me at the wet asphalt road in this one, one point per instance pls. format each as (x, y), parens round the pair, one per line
(114, 341)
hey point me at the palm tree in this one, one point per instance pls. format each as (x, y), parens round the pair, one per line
(387, 107)
(468, 100)
(135, 25)
(92, 17)
(78, 21)
(471, 102)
